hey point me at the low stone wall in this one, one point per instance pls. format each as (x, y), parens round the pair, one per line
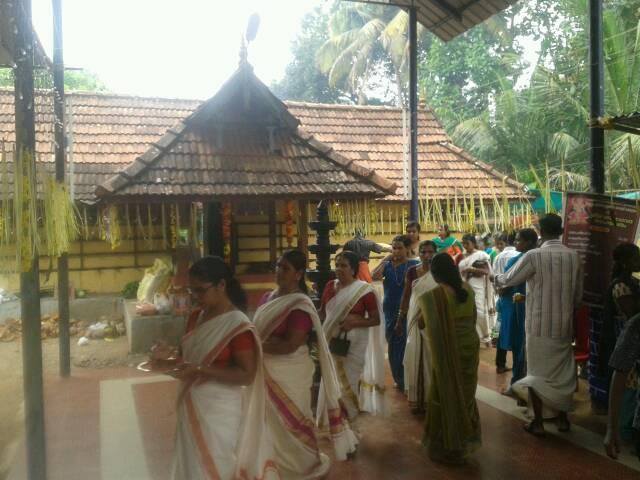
(89, 309)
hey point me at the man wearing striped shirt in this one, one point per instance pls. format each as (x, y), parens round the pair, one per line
(553, 274)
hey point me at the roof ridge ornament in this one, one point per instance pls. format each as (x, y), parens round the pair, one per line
(249, 36)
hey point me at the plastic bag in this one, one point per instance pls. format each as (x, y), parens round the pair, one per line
(156, 279)
(162, 303)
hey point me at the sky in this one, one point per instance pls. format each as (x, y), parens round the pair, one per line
(178, 49)
(169, 48)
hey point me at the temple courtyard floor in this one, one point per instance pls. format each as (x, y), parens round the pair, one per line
(115, 423)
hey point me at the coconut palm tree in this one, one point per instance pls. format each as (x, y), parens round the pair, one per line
(365, 39)
(547, 123)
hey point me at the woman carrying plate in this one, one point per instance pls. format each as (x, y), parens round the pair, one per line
(221, 429)
(284, 322)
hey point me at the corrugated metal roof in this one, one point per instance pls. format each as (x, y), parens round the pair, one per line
(449, 18)
(7, 28)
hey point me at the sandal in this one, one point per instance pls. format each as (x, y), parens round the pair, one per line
(563, 426)
(531, 428)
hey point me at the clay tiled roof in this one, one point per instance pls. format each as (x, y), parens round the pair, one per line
(242, 142)
(375, 138)
(243, 166)
(108, 132)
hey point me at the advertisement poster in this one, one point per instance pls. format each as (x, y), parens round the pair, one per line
(594, 225)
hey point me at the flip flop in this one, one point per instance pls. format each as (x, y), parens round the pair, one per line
(536, 433)
(508, 392)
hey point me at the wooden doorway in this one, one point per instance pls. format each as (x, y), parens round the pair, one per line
(214, 242)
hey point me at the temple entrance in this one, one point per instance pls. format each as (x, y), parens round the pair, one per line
(214, 240)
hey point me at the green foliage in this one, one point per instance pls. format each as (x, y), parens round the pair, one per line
(130, 290)
(302, 80)
(83, 80)
(74, 80)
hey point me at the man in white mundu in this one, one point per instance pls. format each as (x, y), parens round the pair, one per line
(554, 279)
(284, 321)
(221, 428)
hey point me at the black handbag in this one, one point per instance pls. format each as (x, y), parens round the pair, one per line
(340, 345)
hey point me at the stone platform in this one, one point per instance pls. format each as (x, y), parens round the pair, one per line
(144, 331)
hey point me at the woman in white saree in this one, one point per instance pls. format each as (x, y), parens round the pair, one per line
(352, 309)
(475, 269)
(417, 357)
(284, 321)
(221, 429)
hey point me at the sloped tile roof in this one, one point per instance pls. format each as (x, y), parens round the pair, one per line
(108, 132)
(375, 137)
(243, 166)
(241, 142)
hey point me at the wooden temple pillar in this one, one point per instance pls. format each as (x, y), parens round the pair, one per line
(273, 237)
(29, 278)
(303, 227)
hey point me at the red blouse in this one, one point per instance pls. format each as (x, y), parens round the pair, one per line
(366, 304)
(296, 320)
(242, 342)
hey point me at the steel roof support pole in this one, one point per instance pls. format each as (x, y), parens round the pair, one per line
(414, 211)
(596, 61)
(29, 280)
(64, 338)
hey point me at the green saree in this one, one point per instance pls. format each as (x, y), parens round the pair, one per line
(452, 427)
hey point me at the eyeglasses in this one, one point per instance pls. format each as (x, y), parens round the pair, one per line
(198, 290)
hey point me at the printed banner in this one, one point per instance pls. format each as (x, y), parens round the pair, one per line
(594, 225)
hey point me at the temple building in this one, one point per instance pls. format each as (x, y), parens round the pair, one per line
(238, 175)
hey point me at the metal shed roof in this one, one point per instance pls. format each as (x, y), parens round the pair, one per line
(449, 18)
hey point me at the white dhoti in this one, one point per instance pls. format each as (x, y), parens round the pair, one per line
(550, 374)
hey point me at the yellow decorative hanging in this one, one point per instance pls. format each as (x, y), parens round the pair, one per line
(226, 230)
(163, 225)
(149, 227)
(60, 218)
(6, 220)
(173, 226)
(113, 226)
(289, 212)
(25, 211)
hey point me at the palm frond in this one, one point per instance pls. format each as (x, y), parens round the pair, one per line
(475, 134)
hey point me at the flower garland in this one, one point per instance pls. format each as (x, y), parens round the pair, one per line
(288, 215)
(226, 231)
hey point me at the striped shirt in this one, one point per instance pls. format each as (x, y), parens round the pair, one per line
(554, 279)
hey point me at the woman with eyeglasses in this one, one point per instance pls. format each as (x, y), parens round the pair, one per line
(352, 328)
(220, 425)
(284, 321)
